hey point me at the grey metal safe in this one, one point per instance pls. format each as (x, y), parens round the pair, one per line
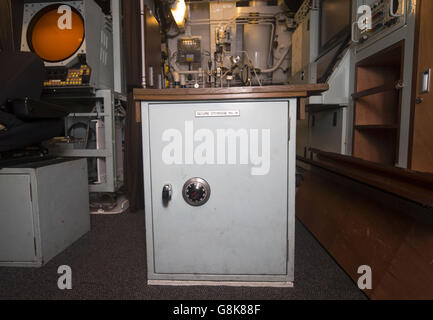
(219, 183)
(44, 208)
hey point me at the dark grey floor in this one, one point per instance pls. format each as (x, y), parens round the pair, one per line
(110, 263)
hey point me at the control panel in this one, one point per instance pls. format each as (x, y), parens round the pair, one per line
(386, 17)
(65, 77)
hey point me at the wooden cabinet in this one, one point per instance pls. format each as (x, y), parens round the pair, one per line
(378, 100)
(377, 106)
(421, 151)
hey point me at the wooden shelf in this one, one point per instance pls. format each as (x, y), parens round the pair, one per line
(375, 90)
(377, 127)
(377, 105)
(315, 108)
(378, 146)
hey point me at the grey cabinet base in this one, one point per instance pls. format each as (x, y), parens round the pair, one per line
(272, 284)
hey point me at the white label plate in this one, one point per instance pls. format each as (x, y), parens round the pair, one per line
(217, 113)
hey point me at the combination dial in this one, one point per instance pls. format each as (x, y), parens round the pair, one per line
(196, 191)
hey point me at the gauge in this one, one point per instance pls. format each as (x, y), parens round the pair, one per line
(49, 41)
(196, 192)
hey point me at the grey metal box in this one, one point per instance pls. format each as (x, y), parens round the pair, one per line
(245, 230)
(44, 208)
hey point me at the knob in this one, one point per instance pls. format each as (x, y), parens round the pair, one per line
(399, 85)
(166, 193)
(196, 192)
(419, 100)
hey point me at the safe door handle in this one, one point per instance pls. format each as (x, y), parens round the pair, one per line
(167, 192)
(425, 81)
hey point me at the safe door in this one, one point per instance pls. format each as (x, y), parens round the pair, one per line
(219, 185)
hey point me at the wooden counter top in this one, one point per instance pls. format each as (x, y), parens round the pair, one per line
(272, 92)
(408, 184)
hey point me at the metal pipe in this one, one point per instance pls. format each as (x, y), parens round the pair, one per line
(243, 18)
(227, 22)
(275, 67)
(273, 32)
(143, 45)
(116, 9)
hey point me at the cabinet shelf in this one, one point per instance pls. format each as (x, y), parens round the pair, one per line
(376, 127)
(377, 104)
(315, 108)
(375, 90)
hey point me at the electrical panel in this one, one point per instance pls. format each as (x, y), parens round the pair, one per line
(189, 50)
(386, 17)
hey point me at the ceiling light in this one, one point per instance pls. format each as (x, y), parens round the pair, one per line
(178, 11)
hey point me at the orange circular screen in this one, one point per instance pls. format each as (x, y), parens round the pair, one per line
(55, 36)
